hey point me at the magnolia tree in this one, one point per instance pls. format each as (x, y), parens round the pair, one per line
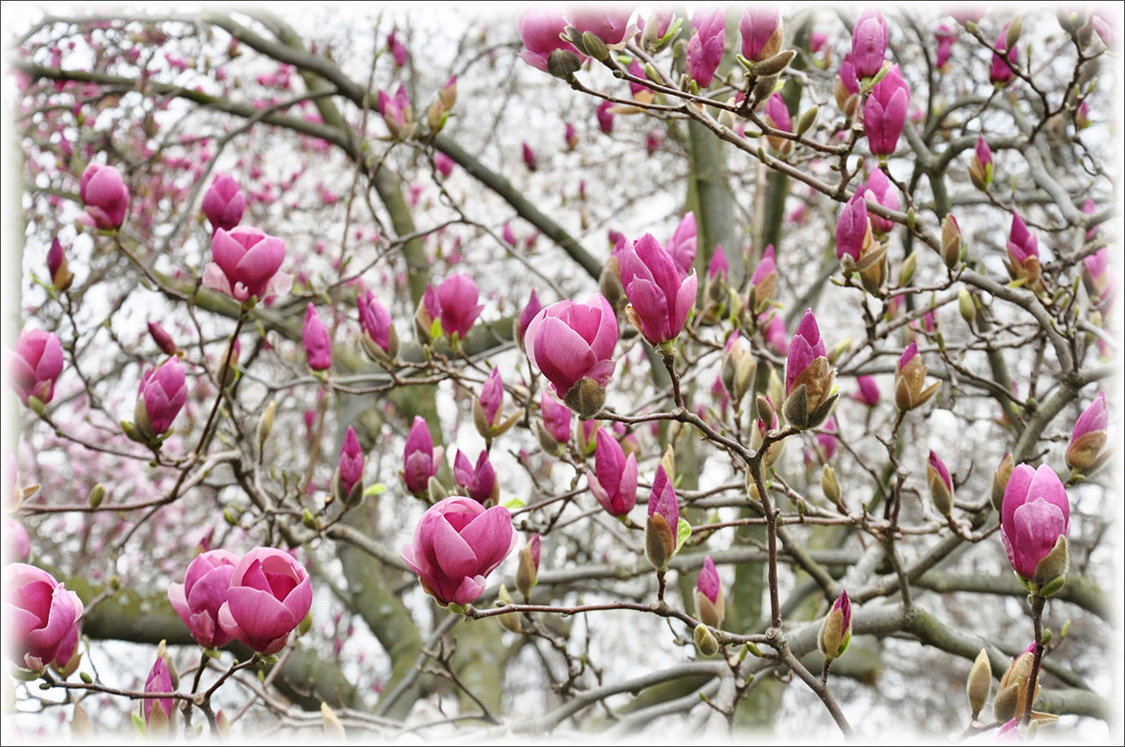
(600, 370)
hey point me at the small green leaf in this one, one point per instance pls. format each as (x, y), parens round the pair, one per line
(514, 503)
(139, 725)
(683, 531)
(376, 489)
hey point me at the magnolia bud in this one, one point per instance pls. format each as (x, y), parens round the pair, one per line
(967, 306)
(97, 495)
(807, 120)
(562, 63)
(265, 424)
(950, 241)
(1000, 480)
(829, 484)
(979, 684)
(527, 574)
(705, 640)
(585, 398)
(510, 620)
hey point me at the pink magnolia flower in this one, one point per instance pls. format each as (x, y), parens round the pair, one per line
(659, 299)
(605, 117)
(314, 337)
(1001, 74)
(443, 163)
(529, 158)
(540, 29)
(1089, 436)
(39, 614)
(610, 23)
(159, 681)
(852, 227)
(763, 282)
(945, 36)
(223, 203)
(836, 631)
(940, 483)
(457, 300)
(868, 392)
(776, 336)
(663, 521)
(1035, 513)
(614, 479)
(880, 190)
(350, 469)
(105, 196)
(162, 339)
(1023, 251)
(777, 116)
(19, 543)
(570, 136)
(532, 308)
(705, 49)
(718, 266)
(397, 113)
(1101, 279)
(57, 266)
(709, 606)
(684, 244)
(491, 402)
(556, 418)
(375, 323)
(420, 460)
(246, 264)
(478, 482)
(162, 395)
(570, 342)
(457, 543)
(761, 31)
(204, 590)
(980, 166)
(808, 379)
(397, 48)
(869, 42)
(884, 114)
(269, 596)
(35, 365)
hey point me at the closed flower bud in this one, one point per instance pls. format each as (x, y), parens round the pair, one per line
(1089, 436)
(1000, 480)
(380, 341)
(1023, 253)
(950, 241)
(829, 485)
(162, 395)
(967, 306)
(57, 267)
(980, 166)
(419, 460)
(488, 408)
(510, 620)
(223, 203)
(836, 630)
(1011, 695)
(265, 424)
(884, 114)
(556, 421)
(158, 711)
(314, 337)
(105, 196)
(397, 113)
(761, 31)
(527, 573)
(198, 599)
(709, 606)
(910, 380)
(809, 388)
(659, 299)
(705, 640)
(162, 339)
(529, 312)
(1034, 522)
(1001, 74)
(941, 485)
(614, 480)
(349, 475)
(978, 686)
(869, 43)
(663, 522)
(479, 481)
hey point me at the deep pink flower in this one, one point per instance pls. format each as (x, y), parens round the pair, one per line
(1001, 73)
(420, 462)
(397, 48)
(443, 163)
(39, 613)
(869, 42)
(540, 29)
(777, 116)
(350, 469)
(708, 582)
(162, 395)
(314, 336)
(569, 341)
(807, 367)
(880, 190)
(940, 483)
(529, 158)
(35, 365)
(776, 335)
(980, 166)
(246, 264)
(204, 590)
(223, 203)
(945, 36)
(57, 266)
(478, 482)
(18, 542)
(705, 49)
(375, 322)
(884, 114)
(397, 113)
(105, 196)
(162, 339)
(836, 630)
(456, 545)
(761, 30)
(269, 596)
(532, 308)
(709, 604)
(684, 244)
(159, 681)
(663, 521)
(457, 301)
(1101, 280)
(1036, 512)
(764, 280)
(610, 23)
(852, 227)
(605, 117)
(614, 480)
(556, 418)
(868, 392)
(1089, 436)
(659, 299)
(1023, 252)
